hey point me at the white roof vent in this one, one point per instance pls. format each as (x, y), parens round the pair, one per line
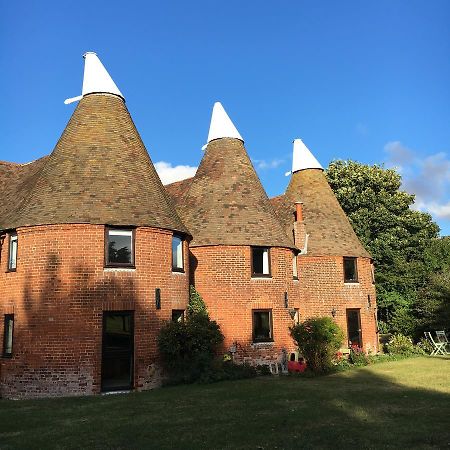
(221, 125)
(96, 79)
(302, 158)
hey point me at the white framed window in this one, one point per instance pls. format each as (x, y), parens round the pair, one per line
(119, 247)
(177, 254)
(350, 270)
(260, 262)
(12, 258)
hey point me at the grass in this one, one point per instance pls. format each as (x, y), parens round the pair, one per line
(401, 404)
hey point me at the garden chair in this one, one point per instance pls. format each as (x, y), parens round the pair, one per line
(442, 337)
(438, 347)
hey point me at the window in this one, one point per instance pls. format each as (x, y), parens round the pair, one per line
(8, 336)
(262, 325)
(372, 272)
(177, 315)
(350, 270)
(177, 254)
(260, 262)
(296, 317)
(119, 247)
(12, 259)
(294, 267)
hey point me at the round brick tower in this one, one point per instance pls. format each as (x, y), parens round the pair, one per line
(335, 271)
(94, 256)
(241, 258)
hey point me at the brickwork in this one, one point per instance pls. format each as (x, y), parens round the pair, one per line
(58, 295)
(223, 277)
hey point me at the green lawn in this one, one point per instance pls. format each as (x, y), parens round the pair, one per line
(403, 404)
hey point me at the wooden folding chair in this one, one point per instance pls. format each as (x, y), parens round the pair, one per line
(438, 347)
(442, 337)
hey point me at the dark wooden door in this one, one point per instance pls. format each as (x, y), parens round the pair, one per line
(117, 350)
(354, 327)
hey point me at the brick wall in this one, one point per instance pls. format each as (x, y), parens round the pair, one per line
(58, 295)
(223, 277)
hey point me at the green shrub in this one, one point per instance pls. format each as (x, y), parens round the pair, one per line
(358, 356)
(188, 349)
(402, 345)
(425, 345)
(318, 340)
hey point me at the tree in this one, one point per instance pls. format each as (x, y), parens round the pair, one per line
(196, 303)
(397, 236)
(188, 349)
(433, 305)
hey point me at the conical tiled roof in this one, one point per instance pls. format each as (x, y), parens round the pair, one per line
(226, 204)
(330, 231)
(99, 173)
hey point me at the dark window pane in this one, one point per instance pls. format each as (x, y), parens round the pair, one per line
(177, 315)
(350, 272)
(120, 246)
(12, 263)
(260, 261)
(177, 253)
(8, 335)
(262, 326)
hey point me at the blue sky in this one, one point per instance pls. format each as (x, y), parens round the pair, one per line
(368, 81)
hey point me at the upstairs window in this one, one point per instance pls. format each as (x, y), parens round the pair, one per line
(372, 272)
(260, 262)
(177, 254)
(8, 336)
(350, 270)
(177, 315)
(262, 325)
(119, 247)
(294, 267)
(12, 259)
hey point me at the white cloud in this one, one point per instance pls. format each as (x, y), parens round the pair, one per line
(398, 155)
(428, 178)
(170, 174)
(262, 164)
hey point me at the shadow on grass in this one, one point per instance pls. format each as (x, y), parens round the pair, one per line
(386, 406)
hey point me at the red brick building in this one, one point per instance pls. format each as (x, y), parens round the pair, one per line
(96, 254)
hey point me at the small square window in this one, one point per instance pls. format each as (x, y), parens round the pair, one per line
(262, 325)
(119, 247)
(177, 254)
(260, 262)
(8, 335)
(350, 270)
(177, 315)
(12, 259)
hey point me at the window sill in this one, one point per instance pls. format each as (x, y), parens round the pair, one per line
(262, 344)
(295, 279)
(11, 270)
(7, 356)
(119, 269)
(178, 272)
(351, 283)
(261, 277)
